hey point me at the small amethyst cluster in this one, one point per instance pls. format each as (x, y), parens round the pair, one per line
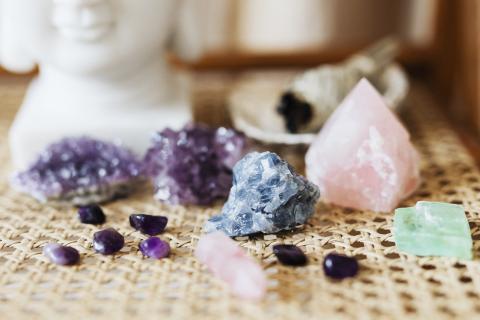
(80, 171)
(189, 166)
(194, 165)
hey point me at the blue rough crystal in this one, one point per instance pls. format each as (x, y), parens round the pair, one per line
(80, 171)
(194, 165)
(267, 196)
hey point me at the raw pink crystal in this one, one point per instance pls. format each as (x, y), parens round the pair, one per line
(229, 262)
(363, 157)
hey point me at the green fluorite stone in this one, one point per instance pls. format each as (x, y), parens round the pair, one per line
(433, 229)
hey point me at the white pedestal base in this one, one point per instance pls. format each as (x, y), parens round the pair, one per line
(42, 121)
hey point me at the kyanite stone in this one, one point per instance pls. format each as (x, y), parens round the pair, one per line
(433, 229)
(108, 241)
(194, 165)
(339, 267)
(290, 255)
(229, 262)
(61, 255)
(267, 196)
(80, 171)
(91, 214)
(148, 224)
(363, 158)
(155, 248)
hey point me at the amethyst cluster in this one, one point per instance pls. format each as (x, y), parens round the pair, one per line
(194, 165)
(80, 171)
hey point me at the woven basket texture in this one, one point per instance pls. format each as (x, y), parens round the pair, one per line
(390, 285)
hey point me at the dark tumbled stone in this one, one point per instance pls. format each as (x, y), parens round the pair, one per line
(155, 248)
(92, 214)
(267, 196)
(108, 241)
(148, 224)
(61, 255)
(339, 266)
(80, 171)
(194, 165)
(290, 255)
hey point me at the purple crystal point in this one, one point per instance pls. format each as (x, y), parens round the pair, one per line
(339, 266)
(61, 255)
(92, 214)
(194, 165)
(155, 248)
(80, 171)
(108, 241)
(290, 255)
(147, 224)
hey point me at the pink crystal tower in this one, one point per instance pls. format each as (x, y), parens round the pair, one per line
(363, 157)
(229, 262)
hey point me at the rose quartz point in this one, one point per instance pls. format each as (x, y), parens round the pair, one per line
(363, 158)
(228, 261)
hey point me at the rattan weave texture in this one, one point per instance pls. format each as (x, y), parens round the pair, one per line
(128, 286)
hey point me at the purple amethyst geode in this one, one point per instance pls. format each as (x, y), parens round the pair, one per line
(194, 165)
(80, 171)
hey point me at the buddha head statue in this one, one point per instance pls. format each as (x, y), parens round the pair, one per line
(83, 37)
(102, 70)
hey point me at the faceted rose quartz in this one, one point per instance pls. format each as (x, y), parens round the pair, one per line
(229, 262)
(363, 157)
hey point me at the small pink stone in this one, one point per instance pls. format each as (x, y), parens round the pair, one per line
(363, 158)
(228, 261)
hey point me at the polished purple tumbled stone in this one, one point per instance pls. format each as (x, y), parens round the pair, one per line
(339, 266)
(92, 214)
(155, 248)
(290, 255)
(80, 171)
(194, 165)
(148, 224)
(108, 241)
(61, 255)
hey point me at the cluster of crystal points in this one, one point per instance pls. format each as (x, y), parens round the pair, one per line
(194, 165)
(80, 171)
(363, 157)
(433, 229)
(267, 196)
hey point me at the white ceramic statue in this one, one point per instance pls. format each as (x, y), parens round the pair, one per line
(102, 71)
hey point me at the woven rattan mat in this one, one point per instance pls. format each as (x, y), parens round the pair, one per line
(128, 286)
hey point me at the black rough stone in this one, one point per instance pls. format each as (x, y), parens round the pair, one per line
(295, 112)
